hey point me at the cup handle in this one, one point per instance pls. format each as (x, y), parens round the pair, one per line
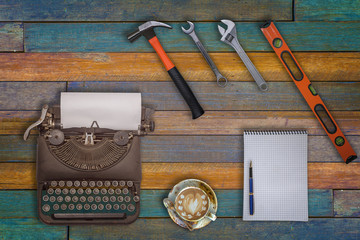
(170, 205)
(211, 216)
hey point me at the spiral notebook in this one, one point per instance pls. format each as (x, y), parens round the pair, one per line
(280, 185)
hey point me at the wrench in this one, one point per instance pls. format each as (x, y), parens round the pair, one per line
(221, 80)
(229, 37)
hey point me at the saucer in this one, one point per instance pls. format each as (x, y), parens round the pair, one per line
(193, 183)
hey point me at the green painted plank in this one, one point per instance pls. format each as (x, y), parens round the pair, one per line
(135, 10)
(11, 37)
(29, 95)
(18, 204)
(327, 10)
(111, 37)
(181, 149)
(30, 228)
(229, 228)
(346, 203)
(164, 95)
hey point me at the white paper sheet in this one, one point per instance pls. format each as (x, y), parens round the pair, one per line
(279, 161)
(118, 111)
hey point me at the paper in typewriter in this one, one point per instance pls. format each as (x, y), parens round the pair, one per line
(279, 160)
(117, 111)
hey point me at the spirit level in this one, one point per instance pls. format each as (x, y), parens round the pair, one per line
(308, 91)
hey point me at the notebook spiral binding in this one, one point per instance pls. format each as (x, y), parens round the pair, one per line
(274, 132)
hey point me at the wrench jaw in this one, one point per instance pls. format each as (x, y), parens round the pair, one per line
(229, 34)
(191, 28)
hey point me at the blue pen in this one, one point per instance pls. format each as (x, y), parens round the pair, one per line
(251, 193)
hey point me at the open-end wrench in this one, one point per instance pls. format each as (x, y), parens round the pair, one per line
(229, 37)
(221, 80)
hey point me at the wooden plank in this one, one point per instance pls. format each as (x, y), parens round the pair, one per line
(111, 37)
(164, 95)
(20, 204)
(213, 122)
(130, 10)
(218, 175)
(30, 228)
(29, 95)
(181, 149)
(327, 10)
(319, 66)
(11, 37)
(346, 203)
(225, 228)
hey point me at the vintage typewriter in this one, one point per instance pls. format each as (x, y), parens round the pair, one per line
(87, 175)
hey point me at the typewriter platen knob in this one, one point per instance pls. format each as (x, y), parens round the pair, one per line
(56, 137)
(121, 138)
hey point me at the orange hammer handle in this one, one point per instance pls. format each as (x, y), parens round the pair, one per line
(162, 54)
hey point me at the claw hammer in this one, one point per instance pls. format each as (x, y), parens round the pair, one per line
(147, 30)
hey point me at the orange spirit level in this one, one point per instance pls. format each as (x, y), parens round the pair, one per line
(308, 91)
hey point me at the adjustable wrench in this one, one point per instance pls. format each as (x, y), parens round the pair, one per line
(221, 80)
(229, 37)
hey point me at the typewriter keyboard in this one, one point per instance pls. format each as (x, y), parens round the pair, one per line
(89, 199)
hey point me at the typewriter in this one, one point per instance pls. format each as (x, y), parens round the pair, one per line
(87, 175)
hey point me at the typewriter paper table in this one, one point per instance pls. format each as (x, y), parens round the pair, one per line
(81, 46)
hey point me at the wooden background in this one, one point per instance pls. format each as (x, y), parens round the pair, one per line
(50, 46)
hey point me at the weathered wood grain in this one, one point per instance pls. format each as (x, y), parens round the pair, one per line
(11, 37)
(130, 10)
(213, 122)
(30, 228)
(164, 95)
(218, 175)
(346, 203)
(327, 10)
(318, 66)
(181, 149)
(111, 37)
(23, 203)
(225, 228)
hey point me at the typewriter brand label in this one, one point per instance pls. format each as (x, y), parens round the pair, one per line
(192, 203)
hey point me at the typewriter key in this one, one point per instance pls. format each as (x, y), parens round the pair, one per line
(56, 207)
(99, 183)
(65, 191)
(88, 191)
(97, 199)
(78, 206)
(56, 137)
(61, 184)
(63, 206)
(46, 208)
(105, 199)
(127, 199)
(123, 206)
(115, 183)
(101, 207)
(136, 198)
(112, 199)
(103, 191)
(90, 199)
(131, 208)
(125, 191)
(116, 207)
(93, 207)
(50, 191)
(82, 199)
(60, 199)
(96, 191)
(130, 183)
(108, 206)
(52, 199)
(72, 191)
(84, 183)
(67, 199)
(75, 199)
(107, 183)
(77, 183)
(53, 183)
(111, 191)
(58, 191)
(69, 183)
(80, 191)
(45, 198)
(122, 183)
(92, 184)
(86, 206)
(120, 199)
(71, 206)
(118, 191)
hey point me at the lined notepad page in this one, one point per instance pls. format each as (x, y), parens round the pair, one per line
(279, 160)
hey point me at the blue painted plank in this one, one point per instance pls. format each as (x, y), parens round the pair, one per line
(11, 37)
(111, 37)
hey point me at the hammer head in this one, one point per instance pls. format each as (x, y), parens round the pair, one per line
(146, 29)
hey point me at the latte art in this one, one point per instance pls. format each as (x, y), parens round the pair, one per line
(192, 204)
